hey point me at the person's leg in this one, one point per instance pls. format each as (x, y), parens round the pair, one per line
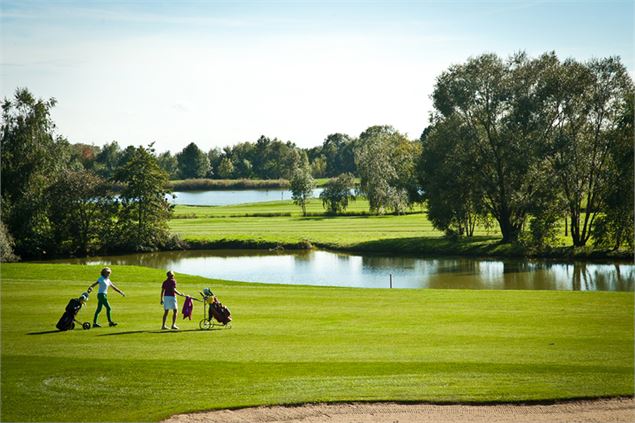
(99, 306)
(174, 326)
(107, 309)
(165, 316)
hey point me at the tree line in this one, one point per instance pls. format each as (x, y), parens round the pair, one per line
(265, 158)
(524, 143)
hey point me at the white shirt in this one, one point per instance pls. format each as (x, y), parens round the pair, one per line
(104, 283)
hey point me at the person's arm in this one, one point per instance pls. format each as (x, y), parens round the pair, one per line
(117, 289)
(178, 293)
(90, 288)
(162, 291)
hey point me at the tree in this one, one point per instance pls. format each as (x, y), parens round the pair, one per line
(192, 162)
(85, 154)
(318, 167)
(338, 152)
(337, 193)
(302, 185)
(169, 164)
(215, 155)
(226, 168)
(80, 212)
(31, 156)
(107, 160)
(593, 98)
(507, 108)
(614, 227)
(386, 162)
(6, 245)
(445, 173)
(145, 211)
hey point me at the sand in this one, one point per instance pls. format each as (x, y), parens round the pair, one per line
(603, 410)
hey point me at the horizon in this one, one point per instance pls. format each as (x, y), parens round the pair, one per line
(221, 73)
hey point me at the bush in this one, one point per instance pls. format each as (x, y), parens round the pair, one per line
(6, 245)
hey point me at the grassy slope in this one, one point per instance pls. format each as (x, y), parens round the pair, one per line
(301, 344)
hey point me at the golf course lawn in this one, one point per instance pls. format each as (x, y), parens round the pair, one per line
(261, 225)
(296, 344)
(282, 222)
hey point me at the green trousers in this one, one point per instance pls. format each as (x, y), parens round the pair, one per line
(102, 302)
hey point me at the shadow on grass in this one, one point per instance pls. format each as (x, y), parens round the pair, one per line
(133, 332)
(435, 246)
(45, 332)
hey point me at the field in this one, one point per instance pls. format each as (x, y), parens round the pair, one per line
(293, 344)
(282, 222)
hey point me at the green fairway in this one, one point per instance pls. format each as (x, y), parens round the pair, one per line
(269, 224)
(282, 221)
(293, 344)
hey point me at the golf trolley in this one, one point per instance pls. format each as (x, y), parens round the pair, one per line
(214, 314)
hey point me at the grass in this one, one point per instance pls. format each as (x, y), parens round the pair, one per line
(286, 225)
(293, 344)
(267, 224)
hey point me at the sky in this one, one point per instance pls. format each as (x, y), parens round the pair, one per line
(222, 72)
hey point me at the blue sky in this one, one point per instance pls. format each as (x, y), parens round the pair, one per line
(218, 73)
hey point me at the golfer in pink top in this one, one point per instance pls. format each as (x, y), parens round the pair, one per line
(168, 299)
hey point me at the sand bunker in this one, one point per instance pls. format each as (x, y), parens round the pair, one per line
(607, 410)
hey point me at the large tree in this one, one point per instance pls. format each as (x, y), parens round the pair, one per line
(31, 156)
(615, 226)
(505, 106)
(591, 127)
(145, 211)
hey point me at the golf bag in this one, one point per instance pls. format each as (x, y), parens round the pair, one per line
(220, 313)
(67, 321)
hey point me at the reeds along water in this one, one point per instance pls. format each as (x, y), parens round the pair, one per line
(221, 184)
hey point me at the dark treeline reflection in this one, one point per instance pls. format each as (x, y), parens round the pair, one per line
(374, 271)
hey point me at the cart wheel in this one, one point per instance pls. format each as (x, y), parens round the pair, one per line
(205, 324)
(228, 325)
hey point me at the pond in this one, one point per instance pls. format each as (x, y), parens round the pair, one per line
(230, 197)
(326, 268)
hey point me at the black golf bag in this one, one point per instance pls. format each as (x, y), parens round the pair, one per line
(67, 321)
(220, 313)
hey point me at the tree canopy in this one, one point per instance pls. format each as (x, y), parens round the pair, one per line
(522, 137)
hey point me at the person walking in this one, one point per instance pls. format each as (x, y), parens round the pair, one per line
(104, 283)
(168, 299)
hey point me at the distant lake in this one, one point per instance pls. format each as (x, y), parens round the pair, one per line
(326, 268)
(230, 197)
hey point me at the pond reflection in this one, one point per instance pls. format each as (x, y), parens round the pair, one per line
(373, 271)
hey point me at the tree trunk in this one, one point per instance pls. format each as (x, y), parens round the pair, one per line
(509, 231)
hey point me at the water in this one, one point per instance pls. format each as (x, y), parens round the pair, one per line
(373, 271)
(230, 197)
